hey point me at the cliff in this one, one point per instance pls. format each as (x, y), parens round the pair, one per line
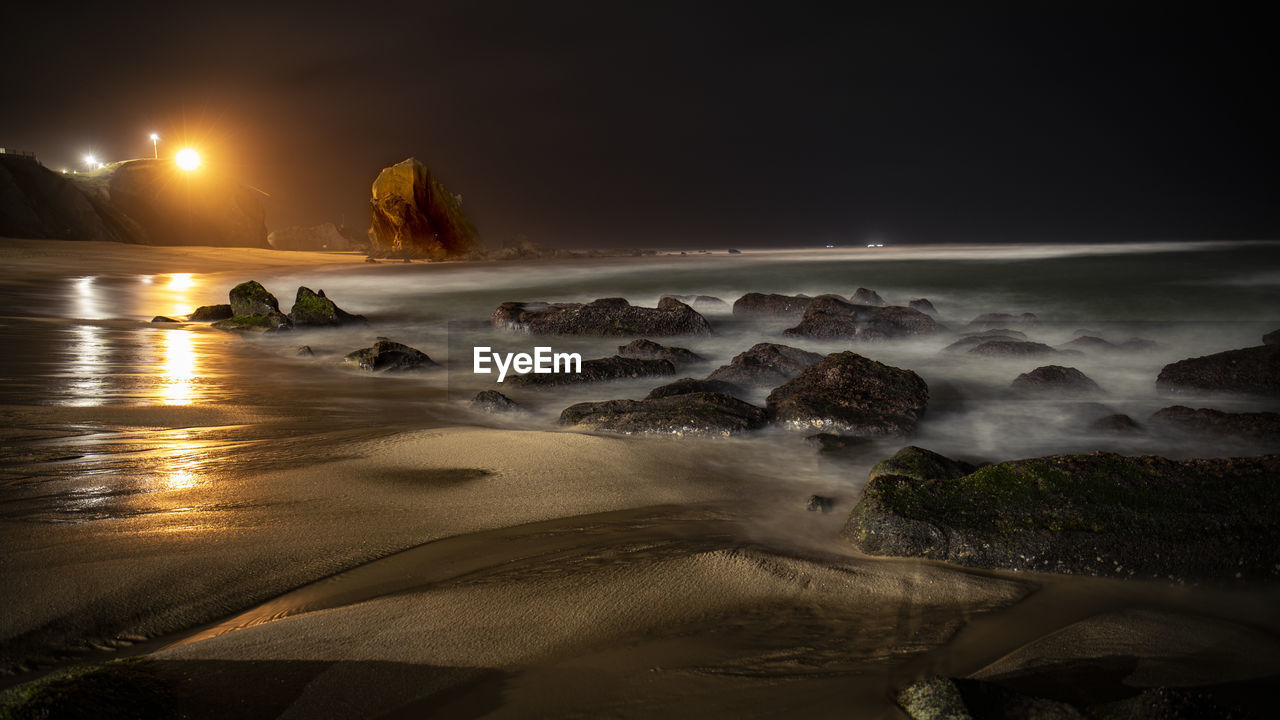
(414, 215)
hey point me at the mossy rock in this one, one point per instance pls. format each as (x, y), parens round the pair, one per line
(255, 323)
(389, 356)
(1098, 514)
(313, 308)
(250, 298)
(922, 465)
(121, 690)
(851, 394)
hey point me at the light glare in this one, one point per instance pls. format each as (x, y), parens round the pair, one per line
(188, 159)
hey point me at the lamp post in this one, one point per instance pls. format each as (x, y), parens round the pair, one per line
(155, 146)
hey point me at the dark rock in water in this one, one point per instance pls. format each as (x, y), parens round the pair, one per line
(415, 215)
(923, 305)
(1006, 348)
(1206, 422)
(863, 296)
(684, 386)
(271, 322)
(1249, 370)
(650, 350)
(921, 465)
(607, 316)
(250, 298)
(1099, 514)
(371, 260)
(304, 351)
(1056, 378)
(211, 313)
(598, 370)
(1089, 342)
(972, 341)
(492, 401)
(765, 365)
(829, 317)
(697, 413)
(734, 251)
(1118, 424)
(848, 392)
(838, 447)
(312, 308)
(163, 319)
(702, 303)
(996, 334)
(776, 306)
(1271, 338)
(389, 356)
(821, 503)
(991, 320)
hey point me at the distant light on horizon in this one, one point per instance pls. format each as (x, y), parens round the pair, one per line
(188, 159)
(91, 161)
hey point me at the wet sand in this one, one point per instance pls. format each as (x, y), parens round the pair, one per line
(284, 544)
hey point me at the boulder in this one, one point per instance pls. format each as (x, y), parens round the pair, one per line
(1012, 348)
(734, 251)
(702, 303)
(684, 386)
(697, 413)
(163, 319)
(996, 334)
(598, 370)
(765, 365)
(923, 305)
(1253, 370)
(250, 298)
(314, 309)
(1099, 514)
(415, 215)
(304, 351)
(996, 320)
(320, 237)
(829, 317)
(211, 313)
(755, 305)
(821, 503)
(970, 342)
(492, 401)
(650, 350)
(389, 356)
(1089, 342)
(1115, 424)
(270, 322)
(853, 394)
(863, 296)
(921, 465)
(601, 317)
(1209, 423)
(1056, 379)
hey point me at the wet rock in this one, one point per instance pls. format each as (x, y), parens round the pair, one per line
(163, 319)
(1012, 348)
(765, 365)
(772, 305)
(314, 309)
(389, 356)
(996, 334)
(271, 322)
(1206, 422)
(921, 465)
(650, 350)
(608, 316)
(994, 320)
(304, 351)
(415, 215)
(492, 401)
(1116, 424)
(835, 446)
(1271, 338)
(1253, 370)
(702, 303)
(829, 317)
(1056, 379)
(598, 370)
(211, 313)
(970, 342)
(923, 305)
(863, 296)
(1089, 342)
(698, 413)
(734, 251)
(685, 386)
(1099, 514)
(853, 394)
(821, 503)
(250, 298)
(934, 698)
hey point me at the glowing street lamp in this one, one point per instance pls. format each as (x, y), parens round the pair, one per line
(155, 146)
(91, 161)
(188, 159)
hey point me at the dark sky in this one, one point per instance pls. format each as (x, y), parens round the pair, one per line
(664, 124)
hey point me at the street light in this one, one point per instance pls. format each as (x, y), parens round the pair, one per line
(155, 146)
(90, 161)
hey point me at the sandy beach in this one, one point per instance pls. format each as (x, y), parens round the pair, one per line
(279, 539)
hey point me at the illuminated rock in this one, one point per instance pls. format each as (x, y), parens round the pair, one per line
(414, 215)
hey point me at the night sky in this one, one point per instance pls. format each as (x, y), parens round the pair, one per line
(679, 124)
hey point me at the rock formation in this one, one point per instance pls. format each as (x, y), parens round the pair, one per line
(1248, 370)
(698, 413)
(414, 215)
(850, 393)
(765, 365)
(775, 306)
(828, 317)
(1056, 379)
(389, 356)
(606, 316)
(650, 350)
(598, 370)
